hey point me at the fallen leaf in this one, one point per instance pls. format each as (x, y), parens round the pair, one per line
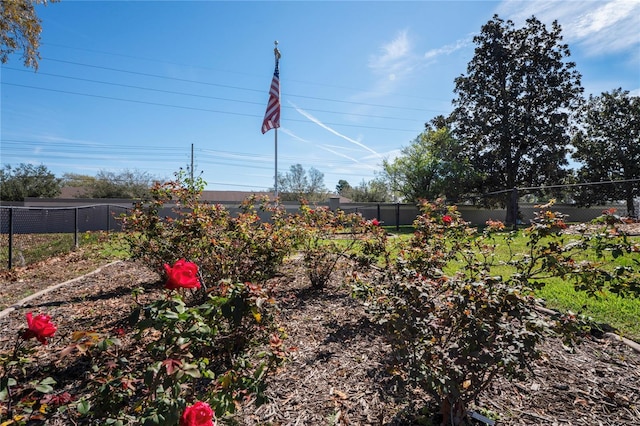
(340, 394)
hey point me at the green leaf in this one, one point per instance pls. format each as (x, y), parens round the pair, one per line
(191, 370)
(83, 406)
(45, 385)
(170, 315)
(48, 381)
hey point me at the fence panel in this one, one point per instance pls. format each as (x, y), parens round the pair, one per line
(56, 220)
(104, 217)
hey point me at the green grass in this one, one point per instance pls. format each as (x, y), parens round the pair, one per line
(33, 248)
(401, 230)
(621, 313)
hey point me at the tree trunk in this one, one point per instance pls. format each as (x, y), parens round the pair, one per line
(453, 412)
(631, 206)
(512, 209)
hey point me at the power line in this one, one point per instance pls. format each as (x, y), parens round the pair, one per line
(113, 98)
(113, 150)
(232, 72)
(566, 185)
(130, 86)
(230, 87)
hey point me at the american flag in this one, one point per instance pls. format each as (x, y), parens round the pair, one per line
(272, 116)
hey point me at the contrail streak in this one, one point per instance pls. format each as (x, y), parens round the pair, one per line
(324, 126)
(325, 147)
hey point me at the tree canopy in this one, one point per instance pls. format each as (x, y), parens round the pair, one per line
(298, 184)
(125, 184)
(432, 166)
(608, 146)
(513, 106)
(342, 187)
(107, 184)
(375, 190)
(27, 180)
(20, 30)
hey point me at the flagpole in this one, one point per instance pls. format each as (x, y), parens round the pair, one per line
(272, 115)
(275, 135)
(277, 55)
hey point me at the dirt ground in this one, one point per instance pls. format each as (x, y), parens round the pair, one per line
(336, 373)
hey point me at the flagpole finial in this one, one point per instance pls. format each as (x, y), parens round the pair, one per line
(276, 51)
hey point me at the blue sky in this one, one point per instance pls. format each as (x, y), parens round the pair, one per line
(133, 84)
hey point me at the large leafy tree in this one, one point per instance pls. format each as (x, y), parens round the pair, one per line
(432, 166)
(124, 184)
(343, 187)
(375, 190)
(298, 184)
(80, 181)
(608, 146)
(512, 110)
(108, 184)
(27, 180)
(20, 30)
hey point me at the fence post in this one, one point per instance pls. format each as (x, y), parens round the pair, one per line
(397, 216)
(108, 218)
(75, 231)
(378, 212)
(10, 237)
(514, 207)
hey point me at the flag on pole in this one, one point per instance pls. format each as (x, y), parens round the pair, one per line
(272, 116)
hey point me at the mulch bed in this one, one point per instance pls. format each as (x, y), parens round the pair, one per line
(337, 371)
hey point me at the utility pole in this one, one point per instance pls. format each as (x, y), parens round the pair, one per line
(192, 165)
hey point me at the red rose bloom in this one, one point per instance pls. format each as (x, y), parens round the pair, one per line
(446, 219)
(39, 327)
(183, 274)
(199, 414)
(375, 222)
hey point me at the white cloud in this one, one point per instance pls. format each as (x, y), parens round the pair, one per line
(448, 49)
(393, 53)
(395, 62)
(599, 26)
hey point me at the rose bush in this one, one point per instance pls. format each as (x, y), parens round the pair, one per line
(326, 237)
(246, 247)
(455, 324)
(218, 350)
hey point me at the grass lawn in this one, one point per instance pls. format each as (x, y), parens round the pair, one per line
(32, 248)
(621, 313)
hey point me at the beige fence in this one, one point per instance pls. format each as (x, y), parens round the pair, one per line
(405, 214)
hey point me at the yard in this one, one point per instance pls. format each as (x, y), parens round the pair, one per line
(337, 368)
